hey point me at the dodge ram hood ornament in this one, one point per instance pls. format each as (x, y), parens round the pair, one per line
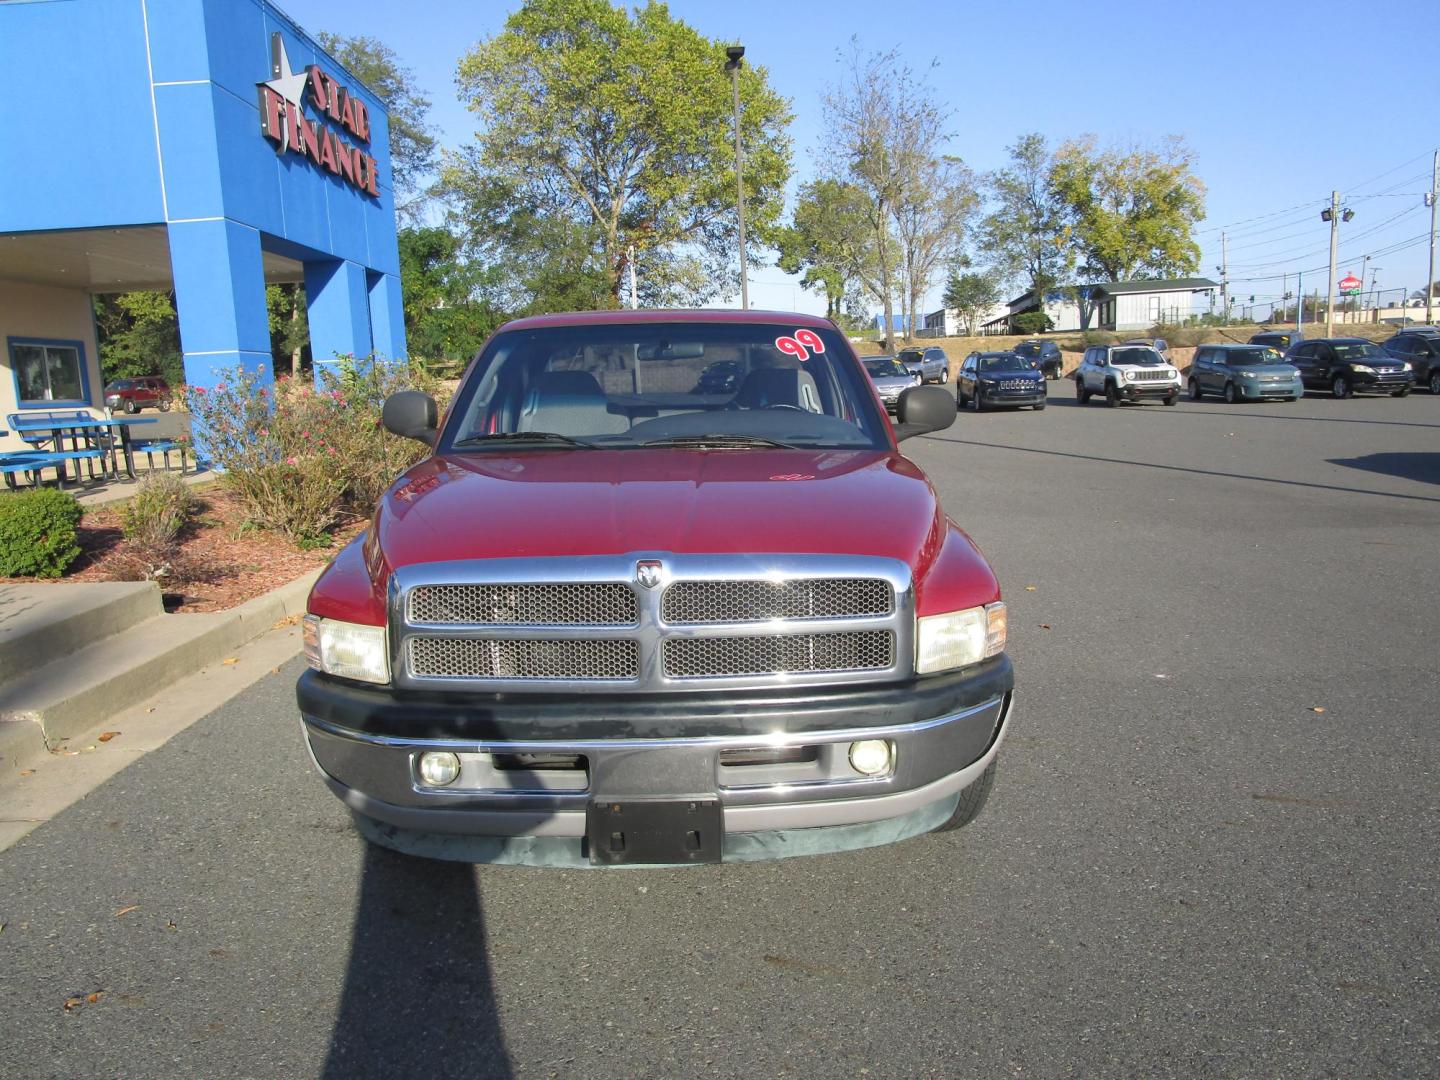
(647, 572)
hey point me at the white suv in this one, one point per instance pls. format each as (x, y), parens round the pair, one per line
(1126, 373)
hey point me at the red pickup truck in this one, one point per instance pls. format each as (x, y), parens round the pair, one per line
(627, 613)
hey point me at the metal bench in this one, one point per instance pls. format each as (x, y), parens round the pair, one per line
(163, 447)
(34, 461)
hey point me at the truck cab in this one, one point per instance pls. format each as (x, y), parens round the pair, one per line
(629, 613)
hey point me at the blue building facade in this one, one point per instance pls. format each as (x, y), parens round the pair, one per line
(209, 146)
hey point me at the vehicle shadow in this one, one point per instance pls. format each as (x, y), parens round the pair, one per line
(1424, 467)
(1280, 481)
(418, 998)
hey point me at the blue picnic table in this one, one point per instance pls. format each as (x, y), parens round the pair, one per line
(76, 427)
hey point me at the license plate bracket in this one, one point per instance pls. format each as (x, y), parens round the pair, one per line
(639, 831)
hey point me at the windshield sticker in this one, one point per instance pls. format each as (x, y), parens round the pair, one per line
(790, 347)
(810, 340)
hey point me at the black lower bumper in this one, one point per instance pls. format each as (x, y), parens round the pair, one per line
(1140, 393)
(545, 717)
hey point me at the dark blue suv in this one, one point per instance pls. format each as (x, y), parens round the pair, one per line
(999, 380)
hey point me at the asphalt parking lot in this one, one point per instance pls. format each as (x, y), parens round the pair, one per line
(1211, 850)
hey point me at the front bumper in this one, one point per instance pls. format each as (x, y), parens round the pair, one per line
(1361, 383)
(945, 729)
(1261, 391)
(1146, 390)
(1003, 398)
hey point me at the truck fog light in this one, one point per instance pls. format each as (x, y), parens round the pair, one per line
(871, 756)
(438, 768)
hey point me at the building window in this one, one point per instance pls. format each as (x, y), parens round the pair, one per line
(49, 372)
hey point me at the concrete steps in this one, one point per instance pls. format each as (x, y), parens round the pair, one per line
(69, 660)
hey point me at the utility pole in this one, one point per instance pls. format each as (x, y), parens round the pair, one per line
(1432, 199)
(1224, 277)
(1334, 243)
(732, 64)
(1300, 300)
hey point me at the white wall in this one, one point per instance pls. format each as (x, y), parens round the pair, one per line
(44, 312)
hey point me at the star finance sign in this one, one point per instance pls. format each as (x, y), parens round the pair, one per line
(283, 120)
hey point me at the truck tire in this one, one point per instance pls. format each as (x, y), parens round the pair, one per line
(972, 801)
(1340, 387)
(1435, 381)
(1171, 399)
(1112, 396)
(945, 375)
(1195, 392)
(131, 407)
(1081, 394)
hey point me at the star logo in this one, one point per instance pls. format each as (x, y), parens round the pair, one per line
(286, 83)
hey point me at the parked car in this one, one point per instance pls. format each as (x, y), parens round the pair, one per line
(891, 378)
(1044, 353)
(1346, 366)
(1418, 346)
(605, 621)
(721, 377)
(1243, 373)
(997, 380)
(1126, 373)
(1284, 340)
(930, 364)
(134, 394)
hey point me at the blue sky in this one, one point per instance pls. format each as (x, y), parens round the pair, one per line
(1280, 101)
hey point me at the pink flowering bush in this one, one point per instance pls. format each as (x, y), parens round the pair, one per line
(303, 458)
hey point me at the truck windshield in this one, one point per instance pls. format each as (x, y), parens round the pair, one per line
(1005, 362)
(1139, 356)
(629, 385)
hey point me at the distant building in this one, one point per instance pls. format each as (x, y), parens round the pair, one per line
(1110, 305)
(947, 322)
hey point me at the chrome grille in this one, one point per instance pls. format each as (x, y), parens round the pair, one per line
(1147, 376)
(590, 604)
(1018, 384)
(474, 658)
(715, 657)
(699, 602)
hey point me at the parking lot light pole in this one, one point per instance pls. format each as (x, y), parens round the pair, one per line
(1432, 199)
(733, 54)
(1332, 215)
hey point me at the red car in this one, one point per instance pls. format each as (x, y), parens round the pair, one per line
(626, 614)
(132, 395)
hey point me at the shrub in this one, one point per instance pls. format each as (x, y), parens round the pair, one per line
(37, 533)
(304, 458)
(161, 508)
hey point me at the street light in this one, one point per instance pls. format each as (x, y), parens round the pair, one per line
(734, 54)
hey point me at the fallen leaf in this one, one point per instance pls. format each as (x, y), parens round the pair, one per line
(127, 910)
(1317, 708)
(151, 709)
(73, 1003)
(170, 925)
(1029, 588)
(27, 772)
(231, 660)
(274, 671)
(93, 998)
(1044, 626)
(106, 736)
(289, 620)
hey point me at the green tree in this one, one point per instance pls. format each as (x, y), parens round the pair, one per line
(412, 141)
(448, 309)
(1025, 234)
(1032, 322)
(1132, 211)
(289, 325)
(972, 293)
(931, 218)
(139, 334)
(821, 242)
(619, 124)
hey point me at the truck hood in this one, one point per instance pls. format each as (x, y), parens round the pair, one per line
(556, 503)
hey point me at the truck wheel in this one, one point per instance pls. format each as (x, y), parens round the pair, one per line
(1340, 387)
(945, 375)
(1401, 392)
(131, 407)
(1435, 382)
(1171, 399)
(1112, 396)
(972, 801)
(1195, 392)
(1081, 394)
(959, 399)
(1230, 395)
(978, 401)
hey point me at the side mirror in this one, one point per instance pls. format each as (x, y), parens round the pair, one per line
(923, 409)
(411, 414)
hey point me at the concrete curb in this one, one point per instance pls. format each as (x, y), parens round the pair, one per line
(199, 641)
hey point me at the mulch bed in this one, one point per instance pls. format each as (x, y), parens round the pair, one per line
(227, 563)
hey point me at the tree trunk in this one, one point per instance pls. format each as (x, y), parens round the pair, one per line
(295, 352)
(888, 301)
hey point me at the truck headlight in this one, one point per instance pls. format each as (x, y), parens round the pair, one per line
(1406, 366)
(1364, 369)
(350, 650)
(959, 638)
